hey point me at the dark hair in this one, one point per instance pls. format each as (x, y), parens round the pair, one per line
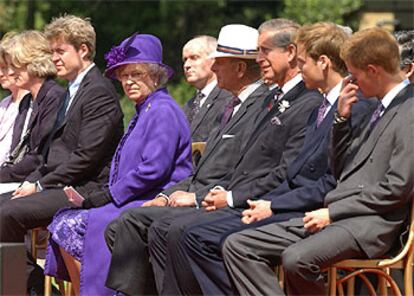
(405, 40)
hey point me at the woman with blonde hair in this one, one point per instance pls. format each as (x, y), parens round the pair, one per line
(9, 106)
(29, 62)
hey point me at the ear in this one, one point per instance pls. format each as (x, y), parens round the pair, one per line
(372, 69)
(241, 69)
(83, 50)
(324, 62)
(291, 52)
(410, 71)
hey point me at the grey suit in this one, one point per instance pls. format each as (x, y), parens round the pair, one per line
(368, 209)
(208, 118)
(224, 146)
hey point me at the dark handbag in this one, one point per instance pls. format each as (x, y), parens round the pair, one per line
(19, 151)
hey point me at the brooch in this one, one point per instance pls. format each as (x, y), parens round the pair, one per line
(283, 106)
(148, 107)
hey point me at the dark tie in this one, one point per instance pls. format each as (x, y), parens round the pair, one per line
(376, 116)
(62, 111)
(321, 112)
(196, 106)
(228, 111)
(277, 94)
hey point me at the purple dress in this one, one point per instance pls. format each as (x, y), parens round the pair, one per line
(154, 154)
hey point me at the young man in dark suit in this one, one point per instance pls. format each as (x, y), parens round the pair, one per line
(240, 75)
(308, 176)
(364, 215)
(84, 137)
(205, 109)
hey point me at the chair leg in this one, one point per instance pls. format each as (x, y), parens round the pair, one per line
(408, 275)
(350, 287)
(34, 243)
(332, 281)
(382, 286)
(48, 286)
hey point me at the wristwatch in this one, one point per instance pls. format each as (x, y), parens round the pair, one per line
(338, 118)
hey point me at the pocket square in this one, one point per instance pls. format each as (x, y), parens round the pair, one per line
(275, 120)
(227, 136)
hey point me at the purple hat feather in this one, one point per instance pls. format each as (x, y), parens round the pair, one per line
(137, 49)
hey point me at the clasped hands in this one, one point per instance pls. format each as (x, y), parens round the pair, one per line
(214, 200)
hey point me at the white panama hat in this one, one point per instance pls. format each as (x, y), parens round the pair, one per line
(239, 41)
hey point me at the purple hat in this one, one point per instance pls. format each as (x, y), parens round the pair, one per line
(137, 49)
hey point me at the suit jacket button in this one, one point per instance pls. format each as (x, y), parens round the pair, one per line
(360, 186)
(312, 168)
(245, 173)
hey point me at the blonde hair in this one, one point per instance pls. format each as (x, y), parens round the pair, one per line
(4, 44)
(323, 39)
(372, 46)
(31, 49)
(74, 30)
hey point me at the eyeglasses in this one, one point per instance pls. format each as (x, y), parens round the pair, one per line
(134, 76)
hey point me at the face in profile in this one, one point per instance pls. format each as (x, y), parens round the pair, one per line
(137, 81)
(196, 64)
(225, 70)
(6, 82)
(272, 59)
(19, 75)
(67, 59)
(363, 79)
(311, 70)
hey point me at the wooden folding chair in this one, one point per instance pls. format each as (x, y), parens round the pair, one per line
(380, 267)
(36, 245)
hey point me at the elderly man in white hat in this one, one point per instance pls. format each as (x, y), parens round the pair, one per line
(237, 72)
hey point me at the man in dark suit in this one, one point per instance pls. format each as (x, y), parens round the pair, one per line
(238, 75)
(84, 137)
(308, 176)
(365, 214)
(205, 109)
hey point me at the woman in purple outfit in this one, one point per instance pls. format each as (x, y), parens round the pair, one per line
(154, 153)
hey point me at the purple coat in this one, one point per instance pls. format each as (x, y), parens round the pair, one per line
(154, 154)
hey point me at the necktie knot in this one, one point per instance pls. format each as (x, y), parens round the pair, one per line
(376, 115)
(228, 111)
(277, 94)
(196, 106)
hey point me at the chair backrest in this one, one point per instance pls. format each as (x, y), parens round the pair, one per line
(197, 149)
(408, 248)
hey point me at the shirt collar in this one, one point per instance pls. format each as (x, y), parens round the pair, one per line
(333, 94)
(74, 85)
(288, 86)
(389, 97)
(248, 90)
(209, 88)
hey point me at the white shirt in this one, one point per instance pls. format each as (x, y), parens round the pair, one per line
(74, 85)
(390, 96)
(206, 91)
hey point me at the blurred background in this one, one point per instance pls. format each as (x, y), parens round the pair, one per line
(177, 21)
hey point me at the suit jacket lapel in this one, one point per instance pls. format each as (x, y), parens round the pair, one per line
(314, 139)
(204, 109)
(265, 115)
(373, 137)
(86, 80)
(237, 117)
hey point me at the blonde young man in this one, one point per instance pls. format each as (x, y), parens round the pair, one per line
(83, 139)
(364, 215)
